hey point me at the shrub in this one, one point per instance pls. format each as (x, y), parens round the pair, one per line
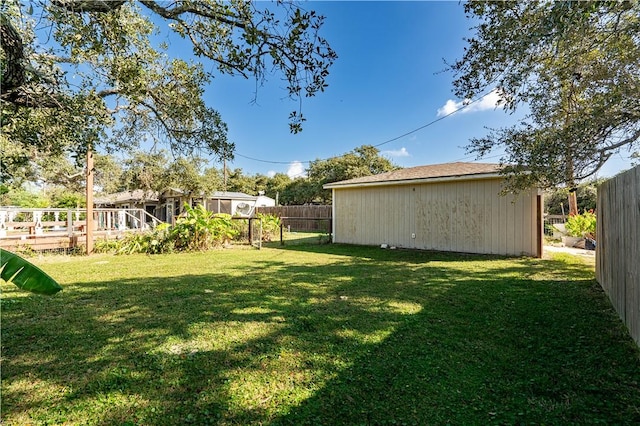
(105, 245)
(582, 225)
(197, 229)
(151, 242)
(270, 226)
(240, 228)
(200, 229)
(224, 229)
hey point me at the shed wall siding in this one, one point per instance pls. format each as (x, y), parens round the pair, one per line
(468, 216)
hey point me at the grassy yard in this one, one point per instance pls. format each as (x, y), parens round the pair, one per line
(316, 334)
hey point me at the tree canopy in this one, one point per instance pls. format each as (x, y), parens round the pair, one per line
(362, 161)
(80, 73)
(555, 200)
(157, 171)
(575, 65)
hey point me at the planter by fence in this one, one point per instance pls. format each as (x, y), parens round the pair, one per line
(571, 241)
(618, 251)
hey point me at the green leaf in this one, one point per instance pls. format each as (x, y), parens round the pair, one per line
(26, 275)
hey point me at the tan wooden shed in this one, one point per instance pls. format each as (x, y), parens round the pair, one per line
(448, 207)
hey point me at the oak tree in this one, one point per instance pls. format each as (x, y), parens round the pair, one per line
(82, 73)
(576, 67)
(362, 161)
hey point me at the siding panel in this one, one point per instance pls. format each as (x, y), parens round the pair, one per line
(465, 216)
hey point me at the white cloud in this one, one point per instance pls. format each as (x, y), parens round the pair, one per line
(489, 101)
(296, 169)
(271, 173)
(402, 152)
(449, 107)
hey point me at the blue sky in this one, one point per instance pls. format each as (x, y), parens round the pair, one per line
(389, 80)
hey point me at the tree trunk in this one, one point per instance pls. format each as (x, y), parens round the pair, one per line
(13, 75)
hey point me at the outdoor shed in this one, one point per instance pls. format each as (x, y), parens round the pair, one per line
(449, 207)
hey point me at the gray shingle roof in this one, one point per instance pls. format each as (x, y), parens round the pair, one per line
(433, 171)
(232, 195)
(135, 195)
(139, 195)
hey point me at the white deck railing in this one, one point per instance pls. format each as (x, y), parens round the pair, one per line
(17, 222)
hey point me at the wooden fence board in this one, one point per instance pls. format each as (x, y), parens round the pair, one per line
(307, 212)
(618, 251)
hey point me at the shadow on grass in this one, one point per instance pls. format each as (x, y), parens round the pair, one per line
(369, 336)
(559, 266)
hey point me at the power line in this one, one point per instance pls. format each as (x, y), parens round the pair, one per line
(469, 157)
(267, 161)
(432, 122)
(465, 105)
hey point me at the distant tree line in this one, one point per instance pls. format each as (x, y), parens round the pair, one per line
(556, 200)
(60, 183)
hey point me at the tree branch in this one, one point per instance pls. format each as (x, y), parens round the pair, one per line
(627, 141)
(108, 92)
(99, 6)
(176, 12)
(23, 97)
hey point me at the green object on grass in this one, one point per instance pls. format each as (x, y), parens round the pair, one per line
(26, 275)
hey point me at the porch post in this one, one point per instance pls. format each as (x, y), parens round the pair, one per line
(89, 195)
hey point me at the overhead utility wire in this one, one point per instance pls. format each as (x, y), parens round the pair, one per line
(468, 157)
(267, 161)
(432, 122)
(466, 105)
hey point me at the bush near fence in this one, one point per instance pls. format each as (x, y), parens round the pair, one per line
(618, 246)
(308, 211)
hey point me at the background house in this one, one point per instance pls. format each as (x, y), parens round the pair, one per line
(170, 203)
(237, 203)
(136, 199)
(233, 203)
(449, 207)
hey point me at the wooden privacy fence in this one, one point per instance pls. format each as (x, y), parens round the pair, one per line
(300, 218)
(618, 241)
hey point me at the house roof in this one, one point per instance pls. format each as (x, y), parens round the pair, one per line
(440, 172)
(139, 195)
(232, 195)
(120, 197)
(223, 195)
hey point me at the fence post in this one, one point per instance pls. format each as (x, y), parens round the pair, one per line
(70, 223)
(281, 239)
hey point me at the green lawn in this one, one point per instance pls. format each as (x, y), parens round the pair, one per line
(316, 334)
